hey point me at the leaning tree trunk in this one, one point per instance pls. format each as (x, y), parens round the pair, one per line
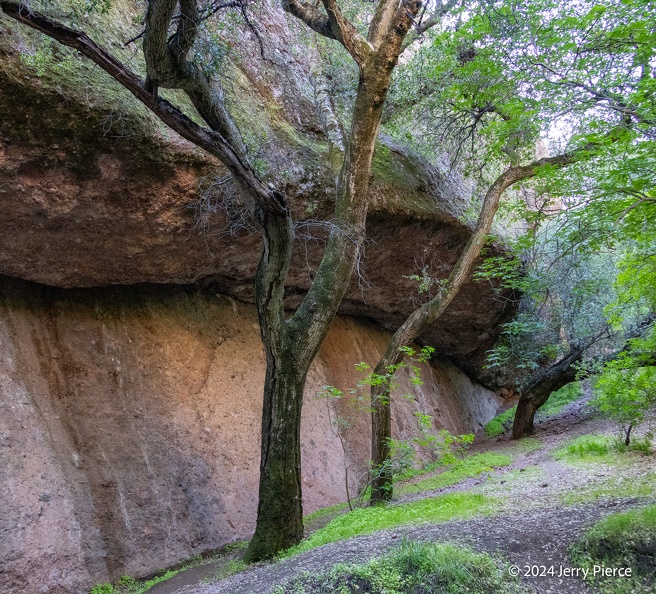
(381, 434)
(538, 391)
(563, 372)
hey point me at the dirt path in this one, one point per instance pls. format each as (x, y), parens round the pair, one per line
(539, 537)
(534, 527)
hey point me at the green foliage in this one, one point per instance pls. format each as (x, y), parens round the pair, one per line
(369, 519)
(565, 290)
(561, 398)
(625, 390)
(440, 446)
(443, 447)
(428, 285)
(586, 446)
(102, 589)
(86, 7)
(458, 471)
(130, 585)
(621, 540)
(412, 568)
(402, 457)
(501, 423)
(229, 569)
(601, 448)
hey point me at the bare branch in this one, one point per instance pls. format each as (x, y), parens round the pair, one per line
(422, 26)
(213, 142)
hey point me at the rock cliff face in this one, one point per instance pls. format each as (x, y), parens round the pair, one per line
(129, 427)
(129, 412)
(94, 193)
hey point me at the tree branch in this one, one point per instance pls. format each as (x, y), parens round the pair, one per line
(314, 18)
(167, 67)
(211, 141)
(435, 18)
(346, 33)
(433, 309)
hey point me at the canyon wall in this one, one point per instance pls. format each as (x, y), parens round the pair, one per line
(129, 427)
(130, 412)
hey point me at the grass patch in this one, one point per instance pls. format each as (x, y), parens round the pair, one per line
(325, 511)
(410, 569)
(644, 486)
(600, 448)
(586, 446)
(228, 570)
(560, 398)
(369, 519)
(621, 540)
(459, 471)
(501, 423)
(130, 585)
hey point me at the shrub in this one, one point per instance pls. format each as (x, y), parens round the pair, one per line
(412, 568)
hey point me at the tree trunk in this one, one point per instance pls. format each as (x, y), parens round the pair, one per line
(523, 424)
(291, 345)
(279, 518)
(381, 428)
(428, 313)
(627, 439)
(538, 391)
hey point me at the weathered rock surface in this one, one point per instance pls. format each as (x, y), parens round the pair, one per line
(94, 193)
(129, 416)
(129, 427)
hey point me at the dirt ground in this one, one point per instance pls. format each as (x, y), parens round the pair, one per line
(535, 526)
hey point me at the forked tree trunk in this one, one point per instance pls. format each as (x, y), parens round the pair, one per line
(291, 345)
